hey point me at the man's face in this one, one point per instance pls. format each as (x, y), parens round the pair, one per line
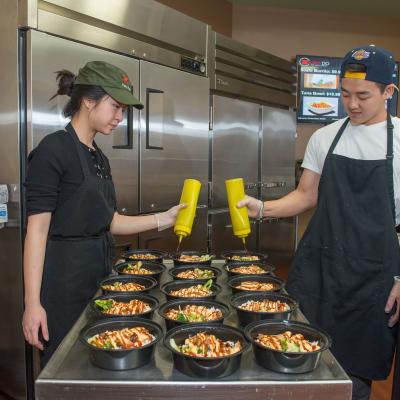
(363, 101)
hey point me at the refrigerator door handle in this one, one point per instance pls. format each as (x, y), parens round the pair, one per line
(129, 131)
(273, 184)
(149, 91)
(251, 185)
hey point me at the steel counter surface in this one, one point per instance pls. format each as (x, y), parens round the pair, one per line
(70, 374)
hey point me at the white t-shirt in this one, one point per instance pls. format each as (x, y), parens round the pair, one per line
(362, 142)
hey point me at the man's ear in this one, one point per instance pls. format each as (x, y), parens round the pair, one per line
(389, 90)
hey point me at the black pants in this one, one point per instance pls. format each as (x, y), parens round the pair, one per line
(361, 388)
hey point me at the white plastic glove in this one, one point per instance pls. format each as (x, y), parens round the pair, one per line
(167, 218)
(254, 206)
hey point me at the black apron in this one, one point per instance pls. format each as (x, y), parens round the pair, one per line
(78, 251)
(344, 266)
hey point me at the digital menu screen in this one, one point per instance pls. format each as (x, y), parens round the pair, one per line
(318, 94)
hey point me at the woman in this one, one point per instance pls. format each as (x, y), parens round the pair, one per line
(71, 206)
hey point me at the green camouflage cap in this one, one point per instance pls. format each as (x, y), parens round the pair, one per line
(112, 79)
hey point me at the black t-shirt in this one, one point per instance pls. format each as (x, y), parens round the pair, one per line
(54, 171)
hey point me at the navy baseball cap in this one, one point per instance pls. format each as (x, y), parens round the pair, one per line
(379, 64)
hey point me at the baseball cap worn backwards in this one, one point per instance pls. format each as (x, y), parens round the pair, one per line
(112, 79)
(379, 64)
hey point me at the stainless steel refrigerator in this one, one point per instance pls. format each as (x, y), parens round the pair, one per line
(151, 153)
(252, 136)
(277, 235)
(234, 153)
(173, 147)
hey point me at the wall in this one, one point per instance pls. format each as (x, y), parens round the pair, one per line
(217, 13)
(285, 33)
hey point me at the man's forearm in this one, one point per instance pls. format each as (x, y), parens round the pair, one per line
(292, 204)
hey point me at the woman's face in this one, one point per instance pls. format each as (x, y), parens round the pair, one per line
(105, 115)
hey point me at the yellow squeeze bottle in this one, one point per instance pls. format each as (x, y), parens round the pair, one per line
(184, 221)
(239, 216)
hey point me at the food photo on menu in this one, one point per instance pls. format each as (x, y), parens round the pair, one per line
(320, 105)
(321, 81)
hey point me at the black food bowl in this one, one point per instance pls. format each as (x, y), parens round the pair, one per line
(120, 359)
(246, 317)
(125, 298)
(156, 269)
(228, 255)
(176, 304)
(139, 254)
(181, 284)
(285, 362)
(202, 367)
(177, 262)
(236, 280)
(175, 271)
(147, 282)
(268, 268)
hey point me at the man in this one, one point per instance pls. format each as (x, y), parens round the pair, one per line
(346, 269)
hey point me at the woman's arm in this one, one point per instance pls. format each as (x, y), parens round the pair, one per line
(34, 253)
(124, 225)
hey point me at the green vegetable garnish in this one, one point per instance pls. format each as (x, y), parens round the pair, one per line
(105, 305)
(208, 284)
(293, 348)
(135, 266)
(284, 344)
(181, 317)
(107, 345)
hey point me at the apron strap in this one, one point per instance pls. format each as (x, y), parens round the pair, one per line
(389, 163)
(338, 136)
(84, 164)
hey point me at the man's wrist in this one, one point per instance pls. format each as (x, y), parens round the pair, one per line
(261, 212)
(397, 278)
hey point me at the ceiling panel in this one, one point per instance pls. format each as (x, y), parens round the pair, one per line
(387, 8)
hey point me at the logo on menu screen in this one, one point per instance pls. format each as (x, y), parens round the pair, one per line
(307, 62)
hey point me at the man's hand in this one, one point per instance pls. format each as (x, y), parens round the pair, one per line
(394, 298)
(254, 206)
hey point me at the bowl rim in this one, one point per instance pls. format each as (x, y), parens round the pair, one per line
(287, 323)
(265, 294)
(127, 277)
(162, 308)
(198, 327)
(176, 269)
(235, 277)
(176, 254)
(151, 264)
(128, 320)
(225, 254)
(122, 295)
(227, 267)
(159, 253)
(215, 286)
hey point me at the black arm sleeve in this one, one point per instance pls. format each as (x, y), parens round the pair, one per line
(45, 169)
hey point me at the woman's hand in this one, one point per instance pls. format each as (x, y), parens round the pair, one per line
(168, 218)
(35, 318)
(254, 206)
(394, 298)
